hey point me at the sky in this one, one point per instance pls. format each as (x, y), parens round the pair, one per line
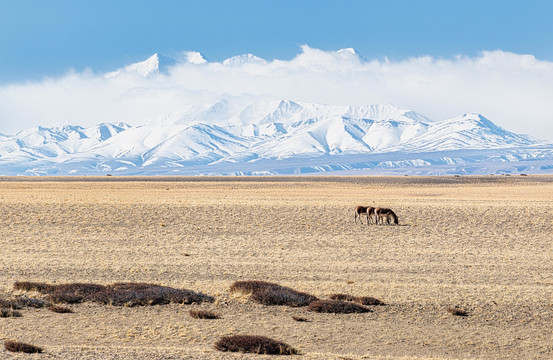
(439, 58)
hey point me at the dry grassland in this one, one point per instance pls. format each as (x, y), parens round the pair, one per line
(483, 244)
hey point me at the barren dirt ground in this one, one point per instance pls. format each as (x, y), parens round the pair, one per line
(483, 244)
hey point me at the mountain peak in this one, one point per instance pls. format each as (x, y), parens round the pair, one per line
(347, 50)
(350, 53)
(244, 59)
(155, 64)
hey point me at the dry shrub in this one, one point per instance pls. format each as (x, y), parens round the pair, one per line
(60, 309)
(203, 314)
(5, 313)
(342, 297)
(134, 294)
(9, 304)
(457, 312)
(367, 300)
(65, 293)
(24, 301)
(251, 286)
(16, 346)
(363, 300)
(60, 297)
(254, 344)
(127, 294)
(337, 307)
(282, 297)
(21, 302)
(78, 289)
(267, 293)
(30, 286)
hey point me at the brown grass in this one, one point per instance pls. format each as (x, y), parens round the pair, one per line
(118, 294)
(25, 301)
(457, 312)
(30, 286)
(250, 286)
(282, 297)
(16, 346)
(71, 293)
(254, 344)
(9, 304)
(133, 294)
(203, 314)
(61, 297)
(267, 293)
(363, 300)
(21, 302)
(5, 313)
(60, 309)
(337, 307)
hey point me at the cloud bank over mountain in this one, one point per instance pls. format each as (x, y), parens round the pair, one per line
(513, 90)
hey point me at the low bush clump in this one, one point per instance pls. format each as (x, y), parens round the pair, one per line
(254, 344)
(337, 307)
(15, 346)
(30, 286)
(133, 294)
(203, 314)
(282, 297)
(251, 286)
(24, 301)
(363, 300)
(457, 312)
(5, 313)
(60, 309)
(267, 293)
(342, 297)
(65, 293)
(9, 304)
(21, 302)
(62, 297)
(118, 294)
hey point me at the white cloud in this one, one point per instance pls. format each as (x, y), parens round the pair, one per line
(515, 91)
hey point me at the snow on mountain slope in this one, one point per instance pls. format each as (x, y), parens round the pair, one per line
(155, 64)
(40, 142)
(198, 143)
(244, 59)
(246, 134)
(350, 54)
(468, 131)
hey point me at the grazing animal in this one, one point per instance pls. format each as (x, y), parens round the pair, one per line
(368, 211)
(370, 214)
(385, 215)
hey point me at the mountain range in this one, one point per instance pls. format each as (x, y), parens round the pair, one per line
(243, 136)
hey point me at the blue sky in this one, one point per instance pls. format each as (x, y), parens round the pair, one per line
(46, 38)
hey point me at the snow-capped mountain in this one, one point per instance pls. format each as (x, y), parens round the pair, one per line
(40, 142)
(155, 64)
(244, 59)
(235, 136)
(251, 134)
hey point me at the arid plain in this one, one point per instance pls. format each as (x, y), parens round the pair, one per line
(483, 244)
